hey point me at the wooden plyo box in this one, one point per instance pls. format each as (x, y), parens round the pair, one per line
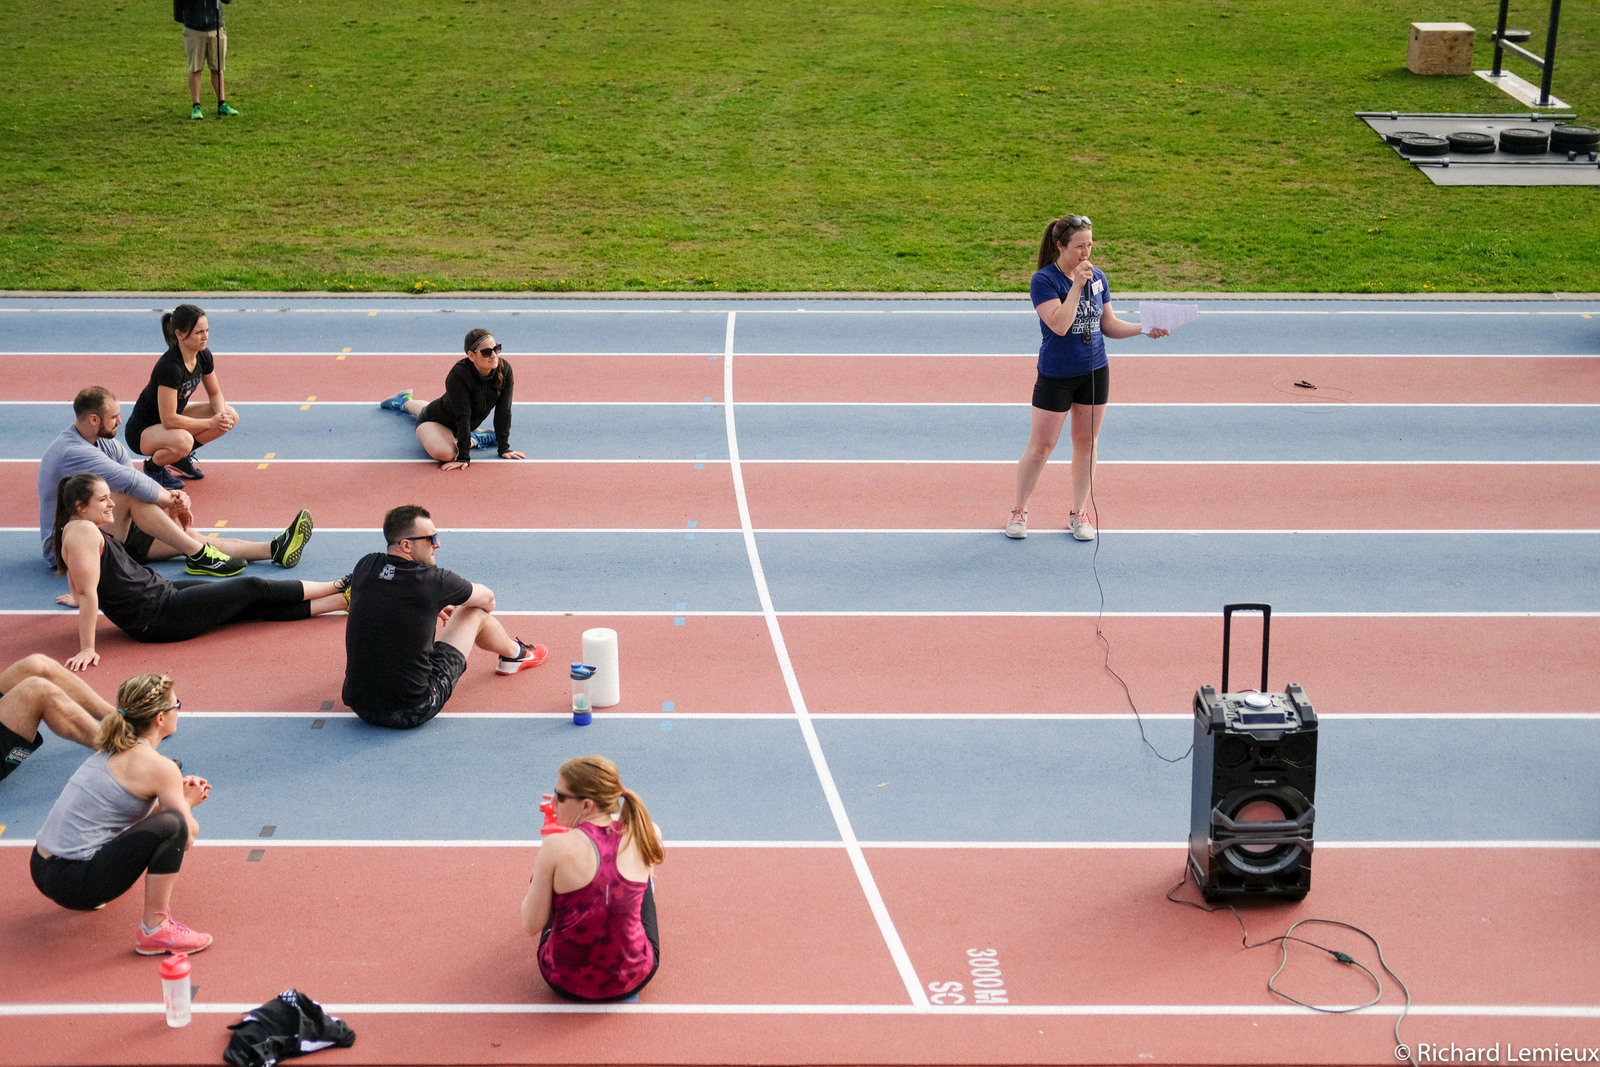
(1440, 48)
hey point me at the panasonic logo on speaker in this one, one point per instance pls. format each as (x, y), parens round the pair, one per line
(1266, 781)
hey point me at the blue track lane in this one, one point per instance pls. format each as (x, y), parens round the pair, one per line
(977, 572)
(566, 571)
(1310, 327)
(1132, 432)
(365, 431)
(908, 780)
(1179, 572)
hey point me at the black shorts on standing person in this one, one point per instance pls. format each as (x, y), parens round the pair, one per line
(396, 674)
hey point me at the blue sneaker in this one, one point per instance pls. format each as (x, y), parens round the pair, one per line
(396, 402)
(187, 468)
(484, 439)
(164, 478)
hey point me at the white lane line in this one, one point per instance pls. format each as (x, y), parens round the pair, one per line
(1308, 401)
(740, 845)
(655, 1008)
(830, 790)
(957, 531)
(1020, 309)
(919, 716)
(532, 461)
(1470, 1011)
(703, 354)
(605, 612)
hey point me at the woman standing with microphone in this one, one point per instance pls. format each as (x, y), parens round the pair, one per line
(1073, 300)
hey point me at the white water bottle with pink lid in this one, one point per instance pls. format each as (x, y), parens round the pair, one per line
(175, 988)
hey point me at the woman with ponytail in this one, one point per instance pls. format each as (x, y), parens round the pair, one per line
(592, 900)
(104, 576)
(164, 425)
(1073, 300)
(126, 812)
(447, 427)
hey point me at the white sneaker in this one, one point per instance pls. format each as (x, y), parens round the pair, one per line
(1080, 526)
(1017, 525)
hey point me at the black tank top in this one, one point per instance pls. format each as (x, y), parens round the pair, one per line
(131, 594)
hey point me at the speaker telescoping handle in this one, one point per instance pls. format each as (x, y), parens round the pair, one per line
(1227, 638)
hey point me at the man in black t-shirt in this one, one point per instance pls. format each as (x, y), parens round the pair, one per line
(398, 673)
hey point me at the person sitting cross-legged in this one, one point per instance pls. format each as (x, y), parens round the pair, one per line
(400, 668)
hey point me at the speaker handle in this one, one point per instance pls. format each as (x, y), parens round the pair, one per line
(1227, 638)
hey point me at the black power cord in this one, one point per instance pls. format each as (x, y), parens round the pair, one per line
(1094, 562)
(1282, 941)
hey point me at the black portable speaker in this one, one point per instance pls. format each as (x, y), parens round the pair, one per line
(1255, 779)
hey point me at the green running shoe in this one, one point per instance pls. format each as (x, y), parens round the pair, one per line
(208, 562)
(197, 112)
(225, 108)
(287, 546)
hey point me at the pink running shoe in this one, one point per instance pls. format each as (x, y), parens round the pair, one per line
(1017, 524)
(170, 936)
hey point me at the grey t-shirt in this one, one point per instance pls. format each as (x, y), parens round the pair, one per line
(70, 454)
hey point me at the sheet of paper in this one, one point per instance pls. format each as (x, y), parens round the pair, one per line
(1156, 315)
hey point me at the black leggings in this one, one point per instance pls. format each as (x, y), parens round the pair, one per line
(201, 605)
(154, 843)
(647, 916)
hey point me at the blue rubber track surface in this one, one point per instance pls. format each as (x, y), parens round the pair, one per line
(1310, 327)
(1167, 433)
(901, 780)
(1322, 572)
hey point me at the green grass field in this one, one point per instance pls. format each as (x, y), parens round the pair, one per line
(727, 145)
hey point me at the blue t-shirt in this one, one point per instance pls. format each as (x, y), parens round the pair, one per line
(1069, 356)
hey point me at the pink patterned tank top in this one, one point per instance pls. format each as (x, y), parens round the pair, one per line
(597, 947)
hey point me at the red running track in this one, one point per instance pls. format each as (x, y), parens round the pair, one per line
(920, 664)
(948, 496)
(1084, 928)
(1138, 378)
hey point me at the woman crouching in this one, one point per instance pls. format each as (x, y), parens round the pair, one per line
(126, 812)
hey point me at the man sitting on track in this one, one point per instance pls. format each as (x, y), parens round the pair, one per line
(151, 521)
(397, 673)
(37, 689)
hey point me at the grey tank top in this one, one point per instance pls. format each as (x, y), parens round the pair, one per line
(92, 809)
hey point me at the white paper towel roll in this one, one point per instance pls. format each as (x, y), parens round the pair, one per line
(600, 652)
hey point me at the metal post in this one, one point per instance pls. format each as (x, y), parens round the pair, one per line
(1499, 33)
(1549, 52)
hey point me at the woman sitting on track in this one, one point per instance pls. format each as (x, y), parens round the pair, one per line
(475, 386)
(591, 901)
(144, 605)
(126, 812)
(164, 426)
